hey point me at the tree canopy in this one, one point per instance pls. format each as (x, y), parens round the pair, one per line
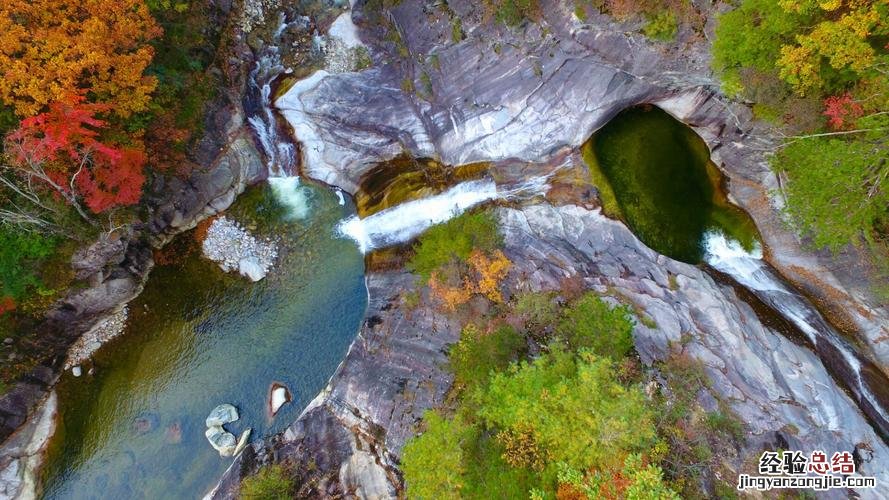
(817, 46)
(51, 48)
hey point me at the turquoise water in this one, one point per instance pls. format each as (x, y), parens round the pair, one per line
(198, 337)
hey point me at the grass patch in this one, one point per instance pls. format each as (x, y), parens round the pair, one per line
(272, 482)
(661, 26)
(514, 12)
(457, 34)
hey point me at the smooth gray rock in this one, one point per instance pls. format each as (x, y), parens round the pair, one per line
(222, 441)
(524, 93)
(221, 415)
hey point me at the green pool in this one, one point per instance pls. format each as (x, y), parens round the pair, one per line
(655, 173)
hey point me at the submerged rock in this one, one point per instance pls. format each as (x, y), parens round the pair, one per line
(221, 415)
(145, 423)
(173, 434)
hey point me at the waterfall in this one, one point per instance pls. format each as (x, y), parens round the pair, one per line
(279, 152)
(289, 192)
(404, 222)
(750, 271)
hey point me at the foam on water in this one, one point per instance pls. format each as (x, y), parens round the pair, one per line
(288, 191)
(748, 269)
(406, 221)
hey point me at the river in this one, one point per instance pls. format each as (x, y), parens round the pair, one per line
(198, 337)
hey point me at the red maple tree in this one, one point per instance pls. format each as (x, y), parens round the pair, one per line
(63, 148)
(6, 304)
(841, 109)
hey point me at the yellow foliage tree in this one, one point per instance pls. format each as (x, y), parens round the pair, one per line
(483, 277)
(50, 49)
(843, 37)
(451, 297)
(490, 272)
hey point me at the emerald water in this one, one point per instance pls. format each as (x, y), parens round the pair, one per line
(655, 173)
(198, 337)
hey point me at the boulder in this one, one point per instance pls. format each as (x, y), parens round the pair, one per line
(242, 441)
(221, 440)
(278, 397)
(221, 415)
(251, 268)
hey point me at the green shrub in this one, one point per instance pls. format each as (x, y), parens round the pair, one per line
(480, 353)
(661, 26)
(538, 310)
(457, 34)
(572, 407)
(433, 463)
(593, 324)
(513, 12)
(20, 255)
(454, 240)
(362, 58)
(834, 191)
(517, 435)
(270, 483)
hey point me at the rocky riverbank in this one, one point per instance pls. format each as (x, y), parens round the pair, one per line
(115, 267)
(353, 432)
(512, 96)
(235, 249)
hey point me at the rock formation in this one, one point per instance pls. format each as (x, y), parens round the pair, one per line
(220, 439)
(235, 249)
(529, 95)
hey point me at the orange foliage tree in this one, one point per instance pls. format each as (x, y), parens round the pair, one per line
(483, 277)
(50, 48)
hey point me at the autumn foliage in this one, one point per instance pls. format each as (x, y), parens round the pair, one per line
(842, 38)
(841, 110)
(483, 277)
(64, 143)
(49, 48)
(6, 304)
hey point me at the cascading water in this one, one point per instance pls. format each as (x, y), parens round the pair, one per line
(290, 193)
(662, 183)
(406, 221)
(278, 148)
(279, 152)
(863, 379)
